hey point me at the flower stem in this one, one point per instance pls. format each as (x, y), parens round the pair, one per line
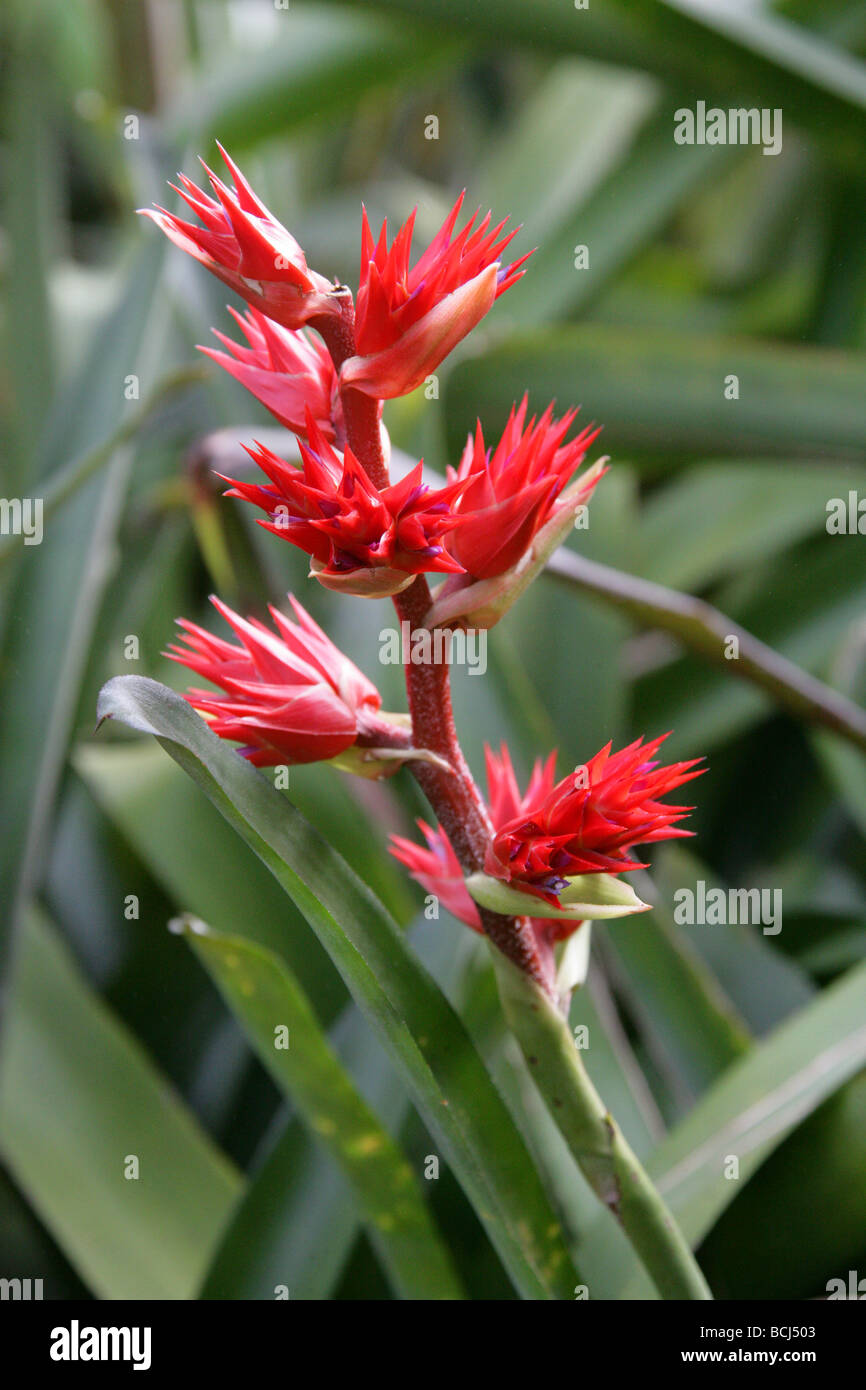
(594, 1138)
(362, 413)
(452, 794)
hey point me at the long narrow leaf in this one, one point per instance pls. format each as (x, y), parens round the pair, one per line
(271, 1006)
(723, 48)
(116, 1166)
(758, 1102)
(660, 392)
(420, 1030)
(707, 631)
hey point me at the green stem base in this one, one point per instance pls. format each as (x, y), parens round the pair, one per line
(598, 1145)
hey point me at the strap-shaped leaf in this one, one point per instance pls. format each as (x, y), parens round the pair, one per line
(657, 391)
(760, 1100)
(716, 47)
(423, 1034)
(749, 1111)
(276, 1015)
(79, 1100)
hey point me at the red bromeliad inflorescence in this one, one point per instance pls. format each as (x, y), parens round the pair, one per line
(511, 491)
(289, 370)
(288, 696)
(588, 822)
(437, 869)
(361, 539)
(323, 363)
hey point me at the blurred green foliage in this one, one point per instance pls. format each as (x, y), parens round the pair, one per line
(702, 262)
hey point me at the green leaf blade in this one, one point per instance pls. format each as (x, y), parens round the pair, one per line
(78, 1099)
(420, 1030)
(266, 998)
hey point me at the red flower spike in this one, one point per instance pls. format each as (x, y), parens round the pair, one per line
(589, 821)
(517, 508)
(289, 371)
(289, 697)
(407, 321)
(513, 490)
(361, 540)
(436, 868)
(248, 249)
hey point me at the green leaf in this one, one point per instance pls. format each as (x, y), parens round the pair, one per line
(795, 1244)
(596, 896)
(420, 1030)
(729, 515)
(583, 116)
(66, 480)
(747, 45)
(690, 1026)
(762, 1098)
(662, 392)
(282, 1027)
(29, 1249)
(320, 68)
(29, 220)
(846, 772)
(78, 1097)
(299, 1202)
(759, 1101)
(614, 219)
(293, 1227)
(297, 1221)
(200, 861)
(764, 59)
(55, 601)
(763, 985)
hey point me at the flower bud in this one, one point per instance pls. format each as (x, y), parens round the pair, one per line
(408, 320)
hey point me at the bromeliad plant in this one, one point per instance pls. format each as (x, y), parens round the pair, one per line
(529, 870)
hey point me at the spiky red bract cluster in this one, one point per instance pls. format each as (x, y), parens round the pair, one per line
(289, 696)
(437, 869)
(331, 509)
(289, 370)
(246, 247)
(590, 820)
(512, 490)
(408, 318)
(393, 296)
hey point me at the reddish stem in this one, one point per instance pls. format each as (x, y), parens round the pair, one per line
(362, 413)
(453, 795)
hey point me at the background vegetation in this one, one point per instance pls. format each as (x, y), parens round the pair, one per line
(703, 262)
